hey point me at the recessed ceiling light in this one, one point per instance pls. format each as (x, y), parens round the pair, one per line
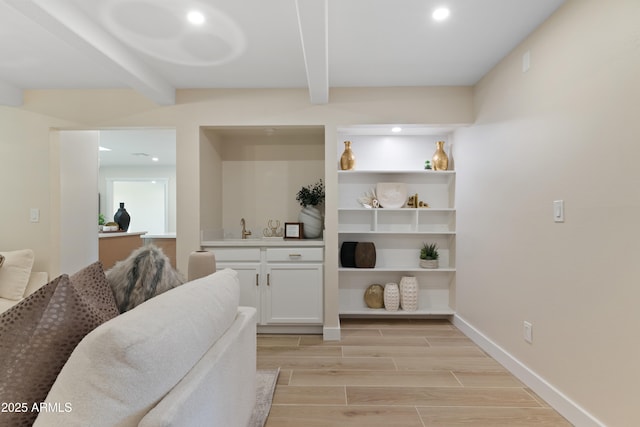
(440, 14)
(101, 148)
(195, 17)
(396, 129)
(155, 159)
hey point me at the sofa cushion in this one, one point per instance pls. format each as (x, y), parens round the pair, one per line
(124, 367)
(14, 274)
(38, 334)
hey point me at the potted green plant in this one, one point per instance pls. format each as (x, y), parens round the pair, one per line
(309, 198)
(101, 221)
(429, 256)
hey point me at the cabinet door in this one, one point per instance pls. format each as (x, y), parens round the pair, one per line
(249, 276)
(294, 294)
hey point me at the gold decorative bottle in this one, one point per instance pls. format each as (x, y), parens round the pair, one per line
(440, 160)
(348, 159)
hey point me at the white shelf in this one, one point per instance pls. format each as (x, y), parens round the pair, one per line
(445, 311)
(398, 269)
(403, 220)
(398, 234)
(342, 173)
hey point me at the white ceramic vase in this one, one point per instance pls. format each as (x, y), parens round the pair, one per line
(391, 297)
(311, 217)
(409, 293)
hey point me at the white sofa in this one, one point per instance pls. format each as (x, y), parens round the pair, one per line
(184, 358)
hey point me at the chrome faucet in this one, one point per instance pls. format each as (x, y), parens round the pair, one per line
(245, 232)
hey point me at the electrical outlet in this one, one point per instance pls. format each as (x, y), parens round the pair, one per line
(528, 332)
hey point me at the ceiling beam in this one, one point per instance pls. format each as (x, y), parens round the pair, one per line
(70, 24)
(313, 24)
(10, 95)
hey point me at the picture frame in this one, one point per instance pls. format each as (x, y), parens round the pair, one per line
(293, 230)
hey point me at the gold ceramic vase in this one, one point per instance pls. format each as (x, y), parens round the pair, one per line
(348, 159)
(440, 160)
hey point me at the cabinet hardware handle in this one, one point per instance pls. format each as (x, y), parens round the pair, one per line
(257, 283)
(268, 279)
(295, 255)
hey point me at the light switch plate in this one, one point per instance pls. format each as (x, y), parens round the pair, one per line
(528, 331)
(34, 215)
(558, 210)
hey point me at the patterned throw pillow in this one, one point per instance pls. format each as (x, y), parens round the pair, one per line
(147, 272)
(38, 335)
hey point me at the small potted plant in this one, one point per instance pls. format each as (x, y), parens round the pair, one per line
(309, 198)
(101, 221)
(429, 256)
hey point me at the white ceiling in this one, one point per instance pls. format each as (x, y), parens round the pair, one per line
(316, 44)
(138, 147)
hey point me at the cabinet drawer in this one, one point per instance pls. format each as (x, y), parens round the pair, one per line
(294, 254)
(236, 254)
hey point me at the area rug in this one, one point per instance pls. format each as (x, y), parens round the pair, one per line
(265, 386)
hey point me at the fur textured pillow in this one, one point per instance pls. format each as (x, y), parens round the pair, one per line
(147, 272)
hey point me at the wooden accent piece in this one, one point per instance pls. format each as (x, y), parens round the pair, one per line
(365, 255)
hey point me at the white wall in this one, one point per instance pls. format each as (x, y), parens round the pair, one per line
(262, 176)
(567, 129)
(139, 172)
(78, 200)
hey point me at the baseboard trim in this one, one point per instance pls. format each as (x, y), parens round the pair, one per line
(573, 412)
(331, 333)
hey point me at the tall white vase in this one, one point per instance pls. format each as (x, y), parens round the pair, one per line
(409, 293)
(311, 217)
(391, 297)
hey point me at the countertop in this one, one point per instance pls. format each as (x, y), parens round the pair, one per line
(121, 234)
(271, 242)
(160, 236)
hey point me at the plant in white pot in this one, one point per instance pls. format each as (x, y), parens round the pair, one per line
(309, 198)
(429, 256)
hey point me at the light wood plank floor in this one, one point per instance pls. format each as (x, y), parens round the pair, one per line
(396, 372)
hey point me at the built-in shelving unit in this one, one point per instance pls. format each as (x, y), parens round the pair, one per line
(398, 234)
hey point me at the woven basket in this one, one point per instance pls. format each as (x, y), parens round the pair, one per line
(429, 263)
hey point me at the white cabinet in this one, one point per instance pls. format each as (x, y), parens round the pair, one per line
(398, 234)
(294, 293)
(285, 284)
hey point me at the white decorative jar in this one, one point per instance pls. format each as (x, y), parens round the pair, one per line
(391, 297)
(311, 217)
(409, 293)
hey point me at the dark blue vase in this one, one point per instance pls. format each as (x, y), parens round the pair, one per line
(122, 218)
